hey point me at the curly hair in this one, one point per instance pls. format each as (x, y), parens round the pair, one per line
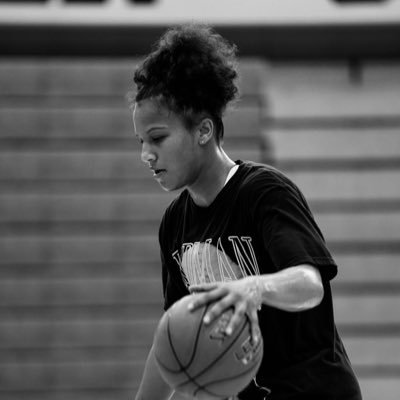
(192, 70)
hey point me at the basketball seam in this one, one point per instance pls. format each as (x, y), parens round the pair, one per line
(182, 367)
(213, 362)
(193, 379)
(222, 380)
(204, 386)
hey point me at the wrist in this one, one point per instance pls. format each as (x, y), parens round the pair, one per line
(256, 291)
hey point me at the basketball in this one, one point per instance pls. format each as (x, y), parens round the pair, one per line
(200, 360)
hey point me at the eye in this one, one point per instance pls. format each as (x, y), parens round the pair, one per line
(157, 139)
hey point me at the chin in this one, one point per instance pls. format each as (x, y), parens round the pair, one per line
(170, 187)
(167, 188)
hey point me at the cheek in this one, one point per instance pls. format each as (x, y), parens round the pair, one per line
(183, 151)
(188, 157)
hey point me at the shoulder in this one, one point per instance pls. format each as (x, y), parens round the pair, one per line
(257, 179)
(266, 188)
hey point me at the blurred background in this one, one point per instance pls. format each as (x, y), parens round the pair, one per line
(80, 293)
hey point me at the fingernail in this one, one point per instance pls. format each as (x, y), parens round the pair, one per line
(229, 331)
(206, 319)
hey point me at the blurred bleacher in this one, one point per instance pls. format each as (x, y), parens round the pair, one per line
(80, 292)
(336, 133)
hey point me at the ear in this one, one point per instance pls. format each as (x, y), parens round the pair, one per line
(206, 131)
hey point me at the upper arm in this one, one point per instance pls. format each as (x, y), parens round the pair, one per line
(291, 235)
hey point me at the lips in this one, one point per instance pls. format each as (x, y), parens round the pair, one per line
(158, 172)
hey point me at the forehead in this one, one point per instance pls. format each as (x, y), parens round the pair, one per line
(151, 112)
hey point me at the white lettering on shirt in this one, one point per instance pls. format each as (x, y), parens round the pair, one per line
(204, 262)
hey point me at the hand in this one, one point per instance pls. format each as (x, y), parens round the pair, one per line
(242, 294)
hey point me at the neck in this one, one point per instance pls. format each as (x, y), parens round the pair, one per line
(211, 178)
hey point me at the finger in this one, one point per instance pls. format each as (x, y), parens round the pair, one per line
(198, 300)
(201, 299)
(254, 327)
(221, 302)
(237, 316)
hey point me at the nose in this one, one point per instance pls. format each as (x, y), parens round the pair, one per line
(147, 154)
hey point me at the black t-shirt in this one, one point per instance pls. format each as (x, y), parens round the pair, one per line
(260, 223)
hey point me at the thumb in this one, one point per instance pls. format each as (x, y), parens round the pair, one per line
(204, 287)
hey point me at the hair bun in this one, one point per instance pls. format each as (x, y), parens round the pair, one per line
(192, 67)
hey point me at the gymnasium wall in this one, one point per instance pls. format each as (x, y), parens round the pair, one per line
(80, 292)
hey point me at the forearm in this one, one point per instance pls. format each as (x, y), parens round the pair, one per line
(292, 289)
(152, 385)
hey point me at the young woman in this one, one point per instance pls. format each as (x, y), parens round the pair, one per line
(239, 233)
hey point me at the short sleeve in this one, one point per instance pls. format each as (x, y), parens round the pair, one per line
(290, 234)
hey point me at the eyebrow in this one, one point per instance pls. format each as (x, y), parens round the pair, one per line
(154, 128)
